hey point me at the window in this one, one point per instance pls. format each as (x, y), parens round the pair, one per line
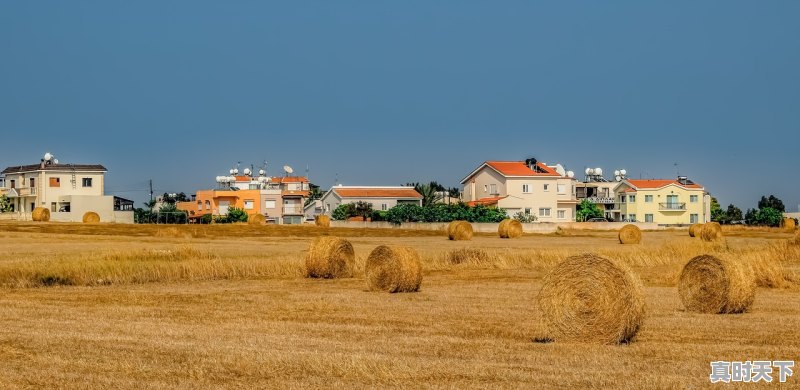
(693, 218)
(561, 188)
(493, 189)
(632, 217)
(248, 204)
(86, 182)
(55, 182)
(270, 204)
(384, 207)
(208, 205)
(53, 207)
(622, 198)
(648, 199)
(693, 198)
(527, 211)
(562, 214)
(13, 184)
(327, 206)
(485, 188)
(648, 217)
(526, 189)
(200, 205)
(547, 187)
(544, 212)
(33, 182)
(632, 198)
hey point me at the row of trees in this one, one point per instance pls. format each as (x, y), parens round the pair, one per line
(436, 212)
(769, 213)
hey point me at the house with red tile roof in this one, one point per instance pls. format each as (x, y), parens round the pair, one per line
(667, 202)
(381, 197)
(529, 187)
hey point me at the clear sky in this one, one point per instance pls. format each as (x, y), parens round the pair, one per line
(379, 92)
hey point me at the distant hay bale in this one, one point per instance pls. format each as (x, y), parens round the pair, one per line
(330, 257)
(789, 224)
(630, 234)
(467, 255)
(715, 285)
(322, 221)
(509, 228)
(40, 214)
(711, 232)
(91, 217)
(694, 229)
(393, 269)
(588, 298)
(459, 231)
(257, 219)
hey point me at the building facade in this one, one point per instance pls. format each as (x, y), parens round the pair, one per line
(382, 198)
(67, 190)
(528, 187)
(665, 202)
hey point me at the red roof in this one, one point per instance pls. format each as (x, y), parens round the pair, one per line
(659, 183)
(295, 193)
(485, 201)
(518, 168)
(289, 179)
(377, 192)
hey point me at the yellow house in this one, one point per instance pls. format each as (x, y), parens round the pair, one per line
(665, 202)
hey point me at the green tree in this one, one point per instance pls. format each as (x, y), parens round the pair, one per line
(5, 204)
(588, 210)
(768, 216)
(524, 218)
(771, 202)
(236, 215)
(363, 209)
(343, 212)
(733, 214)
(314, 193)
(750, 216)
(717, 214)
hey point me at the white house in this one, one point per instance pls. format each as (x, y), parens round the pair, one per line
(381, 198)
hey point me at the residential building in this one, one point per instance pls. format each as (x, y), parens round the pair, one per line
(381, 197)
(67, 190)
(665, 202)
(596, 189)
(528, 187)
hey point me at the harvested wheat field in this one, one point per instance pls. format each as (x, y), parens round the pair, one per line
(116, 306)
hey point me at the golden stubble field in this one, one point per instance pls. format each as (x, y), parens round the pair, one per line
(110, 306)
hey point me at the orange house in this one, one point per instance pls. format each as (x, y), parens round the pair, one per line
(217, 202)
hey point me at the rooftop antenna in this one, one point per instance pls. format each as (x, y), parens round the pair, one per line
(677, 171)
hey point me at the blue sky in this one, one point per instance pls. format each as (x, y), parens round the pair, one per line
(378, 92)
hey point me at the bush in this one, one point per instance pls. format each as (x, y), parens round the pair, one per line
(768, 217)
(444, 213)
(343, 212)
(524, 218)
(236, 215)
(206, 219)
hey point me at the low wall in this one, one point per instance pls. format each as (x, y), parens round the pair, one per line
(541, 228)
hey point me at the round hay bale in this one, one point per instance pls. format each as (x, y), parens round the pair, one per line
(330, 257)
(711, 232)
(459, 231)
(509, 228)
(393, 269)
(257, 219)
(588, 298)
(322, 221)
(715, 285)
(40, 214)
(788, 224)
(91, 217)
(694, 229)
(630, 234)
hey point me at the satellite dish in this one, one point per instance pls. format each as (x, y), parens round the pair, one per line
(236, 171)
(588, 171)
(623, 172)
(231, 171)
(616, 173)
(560, 170)
(55, 161)
(262, 172)
(48, 156)
(247, 172)
(570, 174)
(288, 169)
(598, 171)
(619, 178)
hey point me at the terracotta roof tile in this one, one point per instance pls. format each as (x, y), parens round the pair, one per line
(518, 168)
(486, 201)
(59, 167)
(659, 183)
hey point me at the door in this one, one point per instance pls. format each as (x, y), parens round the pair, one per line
(223, 206)
(672, 201)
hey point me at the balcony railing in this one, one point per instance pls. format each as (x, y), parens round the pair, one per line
(672, 206)
(292, 210)
(602, 199)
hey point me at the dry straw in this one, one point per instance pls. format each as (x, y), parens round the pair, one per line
(467, 255)
(630, 234)
(322, 221)
(509, 228)
(40, 214)
(393, 269)
(711, 232)
(715, 285)
(459, 231)
(257, 219)
(789, 224)
(330, 257)
(91, 217)
(694, 229)
(588, 298)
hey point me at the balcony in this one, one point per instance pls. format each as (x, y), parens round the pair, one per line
(672, 206)
(602, 199)
(292, 210)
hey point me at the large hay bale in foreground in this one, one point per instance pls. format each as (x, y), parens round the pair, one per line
(91, 217)
(509, 228)
(459, 231)
(40, 214)
(257, 219)
(322, 220)
(789, 224)
(588, 298)
(330, 257)
(694, 229)
(630, 234)
(393, 269)
(715, 285)
(711, 232)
